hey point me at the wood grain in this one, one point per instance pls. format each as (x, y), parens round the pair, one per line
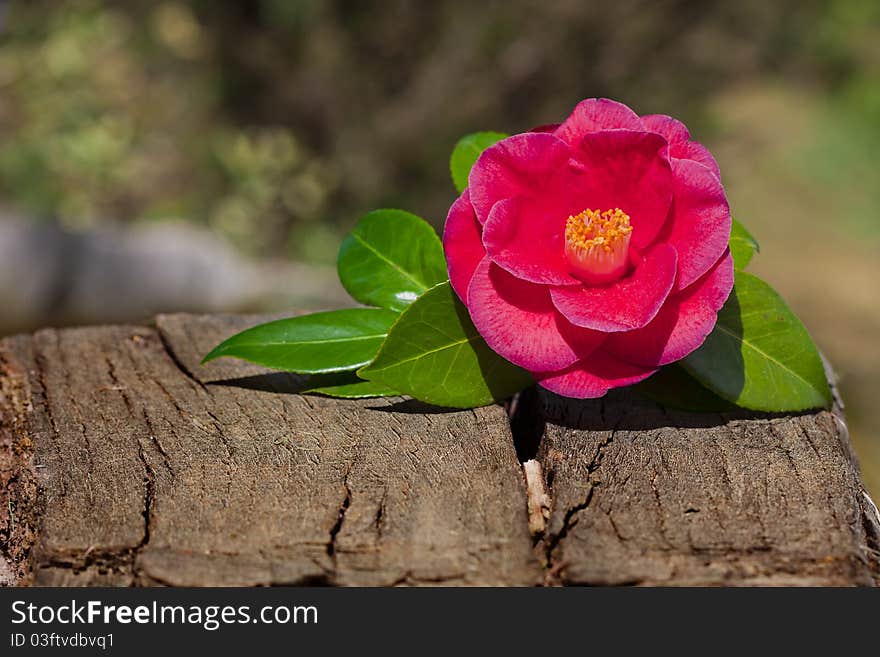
(153, 470)
(125, 462)
(645, 495)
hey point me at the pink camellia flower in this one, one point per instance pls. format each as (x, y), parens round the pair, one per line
(593, 252)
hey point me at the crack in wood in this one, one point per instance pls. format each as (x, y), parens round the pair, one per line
(149, 496)
(340, 519)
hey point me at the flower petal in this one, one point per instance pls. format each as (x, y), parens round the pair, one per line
(700, 225)
(462, 245)
(527, 239)
(673, 130)
(593, 376)
(682, 324)
(697, 153)
(518, 320)
(596, 114)
(631, 171)
(547, 127)
(679, 138)
(627, 304)
(516, 166)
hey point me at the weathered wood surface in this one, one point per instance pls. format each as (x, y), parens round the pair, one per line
(675, 498)
(125, 462)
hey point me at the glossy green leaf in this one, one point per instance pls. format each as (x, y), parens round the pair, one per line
(743, 246)
(346, 385)
(759, 355)
(434, 353)
(332, 341)
(672, 386)
(390, 258)
(466, 152)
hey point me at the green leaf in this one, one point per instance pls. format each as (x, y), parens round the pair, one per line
(466, 152)
(759, 355)
(347, 385)
(390, 258)
(434, 353)
(332, 341)
(743, 246)
(672, 386)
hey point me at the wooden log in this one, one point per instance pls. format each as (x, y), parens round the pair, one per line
(125, 462)
(645, 495)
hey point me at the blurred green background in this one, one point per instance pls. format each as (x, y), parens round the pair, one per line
(275, 123)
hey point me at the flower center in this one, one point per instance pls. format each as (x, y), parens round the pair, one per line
(597, 245)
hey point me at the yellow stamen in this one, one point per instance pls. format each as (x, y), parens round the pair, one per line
(597, 245)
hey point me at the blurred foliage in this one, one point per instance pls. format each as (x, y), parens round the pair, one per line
(278, 122)
(843, 153)
(112, 114)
